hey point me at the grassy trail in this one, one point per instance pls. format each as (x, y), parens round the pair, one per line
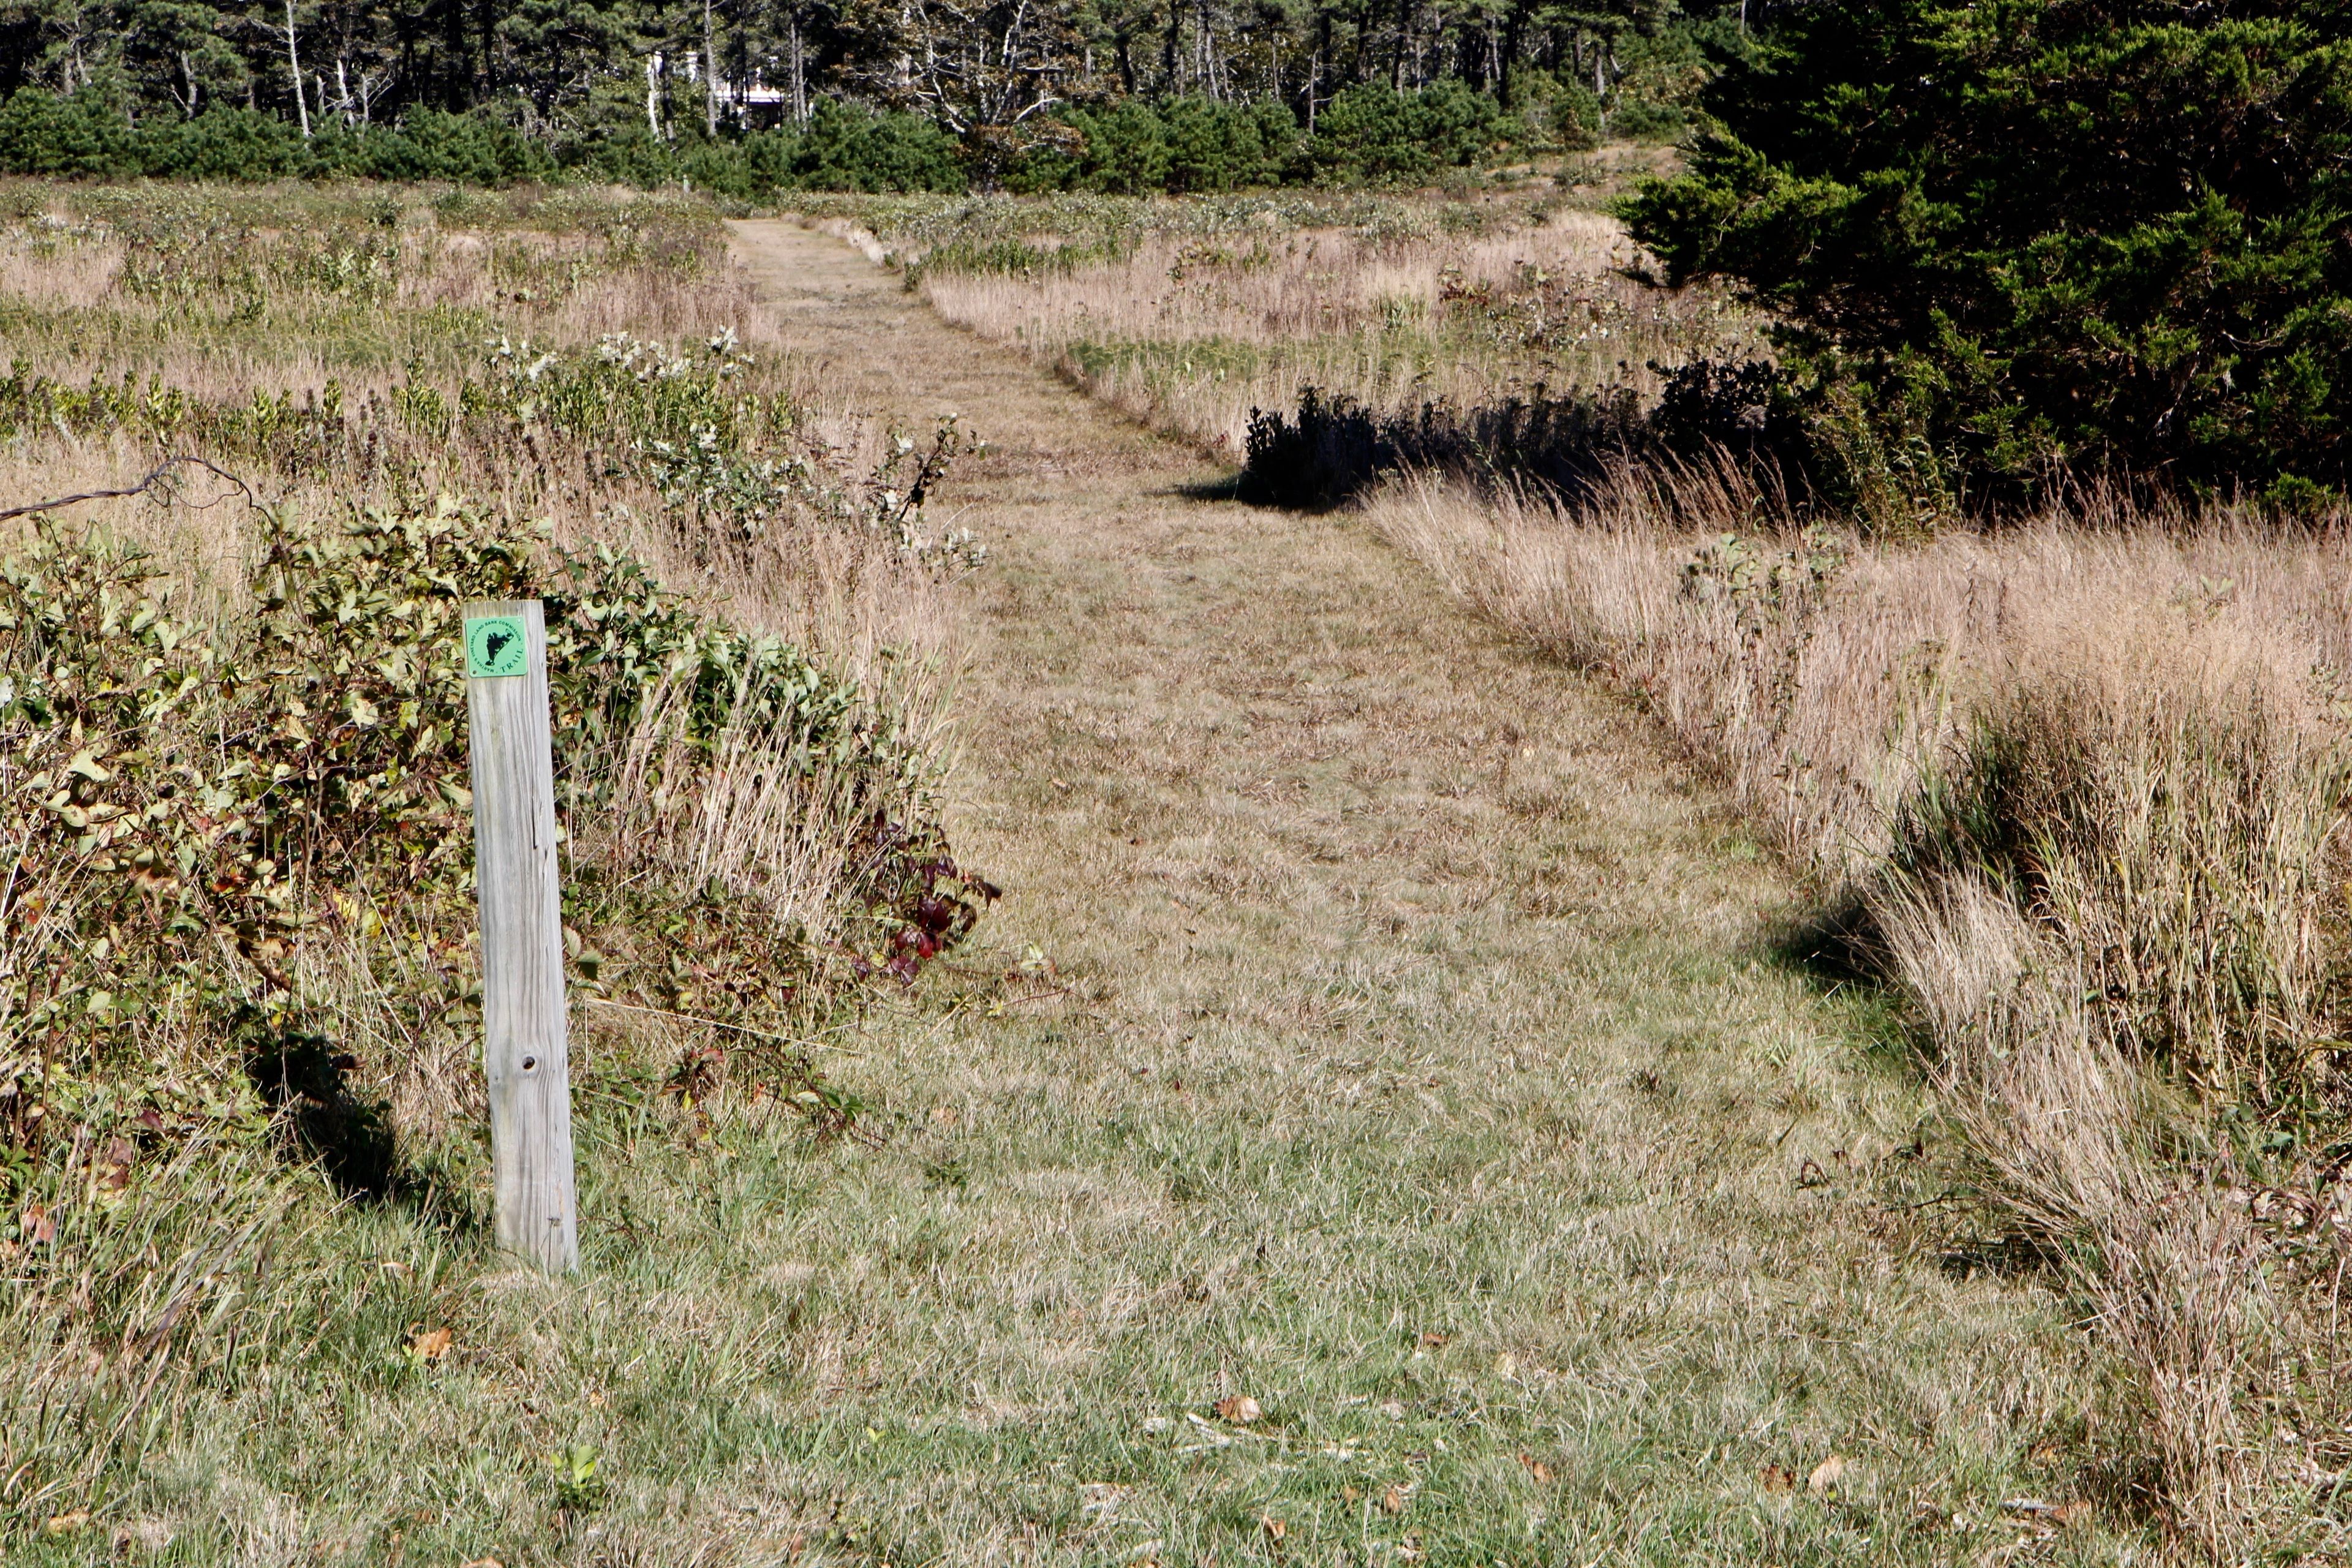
(1411, 1063)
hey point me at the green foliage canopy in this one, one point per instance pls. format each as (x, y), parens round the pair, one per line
(2101, 235)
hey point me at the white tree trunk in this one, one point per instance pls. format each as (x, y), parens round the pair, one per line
(294, 69)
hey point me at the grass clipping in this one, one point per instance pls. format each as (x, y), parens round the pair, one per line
(2080, 791)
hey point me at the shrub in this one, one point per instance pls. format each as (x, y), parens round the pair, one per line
(1134, 148)
(427, 144)
(210, 830)
(1370, 133)
(1569, 446)
(82, 136)
(1574, 117)
(849, 148)
(1227, 146)
(1642, 121)
(2048, 236)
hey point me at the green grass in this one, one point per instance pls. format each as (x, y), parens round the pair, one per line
(1419, 1284)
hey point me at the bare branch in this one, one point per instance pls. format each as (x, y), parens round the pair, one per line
(142, 488)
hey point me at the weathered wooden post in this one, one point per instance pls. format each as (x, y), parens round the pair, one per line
(515, 881)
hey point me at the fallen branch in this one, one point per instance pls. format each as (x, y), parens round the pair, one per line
(142, 488)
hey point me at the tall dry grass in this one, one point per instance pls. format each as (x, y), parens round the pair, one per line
(2084, 782)
(1190, 329)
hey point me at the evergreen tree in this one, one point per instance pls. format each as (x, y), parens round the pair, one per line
(2050, 233)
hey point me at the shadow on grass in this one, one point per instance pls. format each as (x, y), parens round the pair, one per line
(303, 1079)
(1836, 946)
(1841, 952)
(1231, 487)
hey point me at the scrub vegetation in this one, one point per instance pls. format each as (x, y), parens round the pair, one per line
(239, 984)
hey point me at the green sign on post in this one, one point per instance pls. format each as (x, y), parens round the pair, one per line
(496, 646)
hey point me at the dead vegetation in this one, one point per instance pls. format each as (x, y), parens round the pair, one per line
(2083, 782)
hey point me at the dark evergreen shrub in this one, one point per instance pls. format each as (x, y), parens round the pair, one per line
(2047, 236)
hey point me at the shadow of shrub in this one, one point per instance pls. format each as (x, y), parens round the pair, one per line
(1332, 448)
(302, 1078)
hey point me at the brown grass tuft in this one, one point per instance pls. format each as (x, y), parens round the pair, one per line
(2089, 784)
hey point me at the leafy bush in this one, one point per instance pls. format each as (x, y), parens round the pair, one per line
(849, 149)
(1136, 148)
(208, 830)
(82, 136)
(1131, 147)
(1335, 447)
(1639, 120)
(843, 147)
(2047, 236)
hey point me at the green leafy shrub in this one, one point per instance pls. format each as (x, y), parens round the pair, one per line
(2047, 237)
(847, 148)
(208, 830)
(843, 147)
(1136, 148)
(81, 136)
(1642, 119)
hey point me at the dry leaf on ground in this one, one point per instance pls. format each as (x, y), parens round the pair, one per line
(1392, 1501)
(430, 1344)
(1239, 1408)
(66, 1523)
(1777, 1478)
(1536, 1468)
(1826, 1474)
(1274, 1529)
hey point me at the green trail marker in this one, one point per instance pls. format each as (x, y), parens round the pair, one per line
(496, 646)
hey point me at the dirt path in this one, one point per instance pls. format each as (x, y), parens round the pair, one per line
(1423, 1075)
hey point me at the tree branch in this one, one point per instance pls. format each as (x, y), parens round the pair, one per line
(142, 488)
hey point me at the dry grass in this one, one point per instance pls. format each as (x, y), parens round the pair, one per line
(1189, 327)
(379, 292)
(2087, 778)
(1372, 1027)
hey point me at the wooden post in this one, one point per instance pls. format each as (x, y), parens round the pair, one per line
(515, 880)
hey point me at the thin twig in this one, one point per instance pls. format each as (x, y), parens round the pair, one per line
(721, 1024)
(142, 488)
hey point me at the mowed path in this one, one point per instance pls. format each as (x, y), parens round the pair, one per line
(1413, 1062)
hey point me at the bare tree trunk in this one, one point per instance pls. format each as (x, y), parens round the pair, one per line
(294, 69)
(653, 93)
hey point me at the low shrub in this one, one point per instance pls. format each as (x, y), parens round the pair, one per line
(845, 147)
(1373, 134)
(253, 836)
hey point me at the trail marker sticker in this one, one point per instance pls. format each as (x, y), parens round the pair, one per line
(495, 646)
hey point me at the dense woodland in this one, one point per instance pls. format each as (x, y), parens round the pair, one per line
(606, 81)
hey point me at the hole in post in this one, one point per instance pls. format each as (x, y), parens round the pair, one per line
(529, 1063)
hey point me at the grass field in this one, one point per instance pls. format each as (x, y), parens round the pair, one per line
(1400, 1109)
(1189, 315)
(2072, 792)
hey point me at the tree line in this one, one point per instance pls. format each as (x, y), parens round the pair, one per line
(1013, 85)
